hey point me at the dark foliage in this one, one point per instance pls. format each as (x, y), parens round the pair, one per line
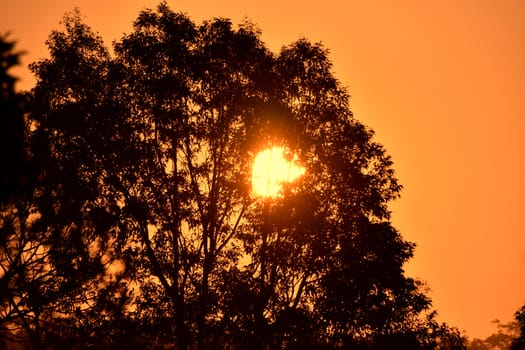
(519, 342)
(144, 222)
(14, 173)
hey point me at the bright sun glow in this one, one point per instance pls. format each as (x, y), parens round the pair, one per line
(271, 169)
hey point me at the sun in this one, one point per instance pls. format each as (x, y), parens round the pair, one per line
(271, 169)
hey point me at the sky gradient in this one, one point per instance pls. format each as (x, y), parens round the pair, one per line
(443, 85)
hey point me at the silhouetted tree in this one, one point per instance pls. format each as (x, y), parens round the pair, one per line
(519, 342)
(506, 337)
(20, 258)
(49, 257)
(145, 195)
(14, 176)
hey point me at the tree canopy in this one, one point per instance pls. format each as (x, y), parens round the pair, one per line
(142, 226)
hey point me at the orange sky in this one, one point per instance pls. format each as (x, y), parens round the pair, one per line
(441, 82)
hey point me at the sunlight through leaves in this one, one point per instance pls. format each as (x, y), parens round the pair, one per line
(271, 169)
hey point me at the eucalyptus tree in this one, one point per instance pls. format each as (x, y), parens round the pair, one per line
(193, 91)
(148, 157)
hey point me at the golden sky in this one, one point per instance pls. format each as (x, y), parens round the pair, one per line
(442, 82)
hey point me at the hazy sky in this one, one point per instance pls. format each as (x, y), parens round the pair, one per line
(443, 85)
